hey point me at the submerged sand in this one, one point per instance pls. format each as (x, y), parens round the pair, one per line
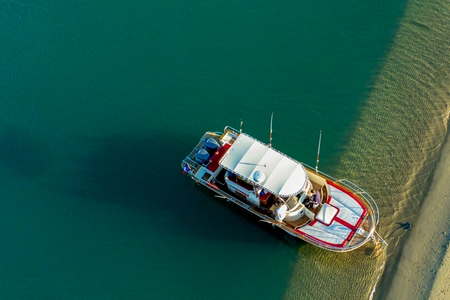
(396, 153)
(424, 261)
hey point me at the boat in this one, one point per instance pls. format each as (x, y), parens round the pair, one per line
(306, 203)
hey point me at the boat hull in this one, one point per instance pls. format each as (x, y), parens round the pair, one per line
(351, 226)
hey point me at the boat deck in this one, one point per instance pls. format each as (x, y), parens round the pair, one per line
(344, 225)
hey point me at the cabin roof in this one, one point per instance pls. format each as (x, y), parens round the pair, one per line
(248, 158)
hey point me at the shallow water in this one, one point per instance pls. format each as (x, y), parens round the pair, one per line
(100, 101)
(394, 146)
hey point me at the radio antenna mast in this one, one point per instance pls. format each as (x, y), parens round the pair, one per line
(270, 132)
(318, 151)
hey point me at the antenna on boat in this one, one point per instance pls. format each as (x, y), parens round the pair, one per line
(270, 132)
(318, 151)
(241, 126)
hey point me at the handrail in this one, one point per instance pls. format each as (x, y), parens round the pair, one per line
(369, 199)
(381, 239)
(230, 128)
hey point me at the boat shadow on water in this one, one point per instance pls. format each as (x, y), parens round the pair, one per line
(22, 154)
(143, 174)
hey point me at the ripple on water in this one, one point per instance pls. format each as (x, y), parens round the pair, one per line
(392, 152)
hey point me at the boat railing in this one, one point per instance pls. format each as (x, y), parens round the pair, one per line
(230, 128)
(191, 161)
(367, 197)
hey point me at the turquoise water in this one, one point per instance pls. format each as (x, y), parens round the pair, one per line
(100, 101)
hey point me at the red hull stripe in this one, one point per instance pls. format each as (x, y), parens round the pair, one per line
(212, 185)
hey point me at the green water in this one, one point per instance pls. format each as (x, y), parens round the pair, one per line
(100, 101)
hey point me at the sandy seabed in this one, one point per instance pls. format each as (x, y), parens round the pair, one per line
(424, 266)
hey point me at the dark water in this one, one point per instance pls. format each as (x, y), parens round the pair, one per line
(100, 101)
